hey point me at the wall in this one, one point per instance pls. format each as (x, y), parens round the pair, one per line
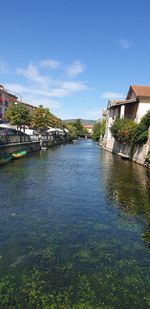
(120, 148)
(18, 147)
(144, 106)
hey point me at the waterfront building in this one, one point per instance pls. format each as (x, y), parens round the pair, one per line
(135, 106)
(7, 98)
(89, 128)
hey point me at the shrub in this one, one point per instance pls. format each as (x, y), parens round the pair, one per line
(123, 130)
(141, 133)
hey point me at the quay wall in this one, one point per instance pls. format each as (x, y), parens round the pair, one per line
(10, 148)
(32, 145)
(121, 149)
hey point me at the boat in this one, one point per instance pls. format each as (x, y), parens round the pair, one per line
(124, 156)
(19, 154)
(5, 158)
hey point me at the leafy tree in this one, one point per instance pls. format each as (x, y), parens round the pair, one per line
(99, 129)
(18, 114)
(42, 118)
(72, 131)
(55, 122)
(81, 131)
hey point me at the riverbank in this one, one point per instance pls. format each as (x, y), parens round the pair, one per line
(123, 150)
(27, 148)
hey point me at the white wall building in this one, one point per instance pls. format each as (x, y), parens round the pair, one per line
(135, 106)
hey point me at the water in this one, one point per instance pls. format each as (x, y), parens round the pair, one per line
(74, 231)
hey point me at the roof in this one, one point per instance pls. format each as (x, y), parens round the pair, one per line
(8, 93)
(114, 103)
(24, 103)
(88, 126)
(140, 91)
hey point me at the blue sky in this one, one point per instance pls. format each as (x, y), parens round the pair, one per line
(71, 55)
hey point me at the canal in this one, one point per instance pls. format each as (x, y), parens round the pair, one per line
(74, 231)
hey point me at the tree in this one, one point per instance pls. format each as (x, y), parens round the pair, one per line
(41, 118)
(18, 114)
(99, 129)
(72, 131)
(81, 131)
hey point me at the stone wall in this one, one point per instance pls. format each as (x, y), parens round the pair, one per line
(123, 149)
(10, 148)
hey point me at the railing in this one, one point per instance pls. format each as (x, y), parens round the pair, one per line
(6, 139)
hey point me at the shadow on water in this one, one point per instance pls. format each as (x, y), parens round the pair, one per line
(74, 231)
(128, 184)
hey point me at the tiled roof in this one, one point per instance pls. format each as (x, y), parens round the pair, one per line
(114, 103)
(140, 91)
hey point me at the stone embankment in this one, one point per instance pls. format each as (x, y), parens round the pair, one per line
(30, 145)
(123, 150)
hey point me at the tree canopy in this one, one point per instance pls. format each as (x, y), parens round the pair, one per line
(99, 129)
(42, 118)
(18, 114)
(80, 130)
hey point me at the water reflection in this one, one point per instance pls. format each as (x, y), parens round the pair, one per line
(128, 184)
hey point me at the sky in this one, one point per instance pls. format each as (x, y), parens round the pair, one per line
(72, 56)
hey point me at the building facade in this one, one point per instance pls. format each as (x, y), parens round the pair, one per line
(135, 106)
(6, 99)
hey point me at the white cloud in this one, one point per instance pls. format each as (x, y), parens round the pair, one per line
(41, 89)
(46, 102)
(34, 96)
(50, 63)
(75, 68)
(124, 44)
(112, 95)
(32, 73)
(3, 67)
(74, 86)
(64, 89)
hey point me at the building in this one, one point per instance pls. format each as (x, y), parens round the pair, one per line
(135, 106)
(28, 106)
(6, 99)
(89, 128)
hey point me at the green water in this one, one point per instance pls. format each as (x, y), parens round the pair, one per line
(74, 231)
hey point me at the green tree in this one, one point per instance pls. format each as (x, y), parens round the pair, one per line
(18, 114)
(42, 118)
(99, 129)
(72, 131)
(81, 131)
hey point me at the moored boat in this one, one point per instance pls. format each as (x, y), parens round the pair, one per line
(5, 158)
(19, 154)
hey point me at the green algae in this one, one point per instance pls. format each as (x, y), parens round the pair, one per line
(75, 244)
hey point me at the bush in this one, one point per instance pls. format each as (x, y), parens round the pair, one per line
(141, 133)
(123, 130)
